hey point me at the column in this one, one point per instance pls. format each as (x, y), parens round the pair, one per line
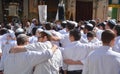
(25, 9)
(1, 11)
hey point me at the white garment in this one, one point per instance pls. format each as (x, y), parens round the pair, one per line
(116, 47)
(5, 46)
(31, 27)
(83, 38)
(65, 40)
(95, 40)
(33, 39)
(75, 51)
(99, 33)
(23, 63)
(55, 33)
(102, 61)
(63, 31)
(50, 66)
(12, 34)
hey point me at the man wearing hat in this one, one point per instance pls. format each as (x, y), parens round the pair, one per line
(110, 24)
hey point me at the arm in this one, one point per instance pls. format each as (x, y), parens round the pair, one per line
(18, 49)
(40, 57)
(31, 47)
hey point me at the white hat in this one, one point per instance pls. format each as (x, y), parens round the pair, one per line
(19, 30)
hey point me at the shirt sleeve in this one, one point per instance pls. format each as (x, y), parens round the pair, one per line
(35, 46)
(40, 57)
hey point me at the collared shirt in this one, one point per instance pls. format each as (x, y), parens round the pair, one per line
(23, 63)
(76, 52)
(102, 61)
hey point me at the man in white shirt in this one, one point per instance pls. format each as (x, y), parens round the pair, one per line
(103, 60)
(23, 63)
(116, 47)
(74, 53)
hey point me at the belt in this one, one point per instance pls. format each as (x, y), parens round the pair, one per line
(75, 71)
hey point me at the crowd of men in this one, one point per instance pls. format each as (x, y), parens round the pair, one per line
(60, 47)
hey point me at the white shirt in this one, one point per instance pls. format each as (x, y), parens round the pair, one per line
(99, 33)
(76, 52)
(23, 63)
(63, 31)
(33, 39)
(102, 61)
(65, 40)
(50, 66)
(116, 46)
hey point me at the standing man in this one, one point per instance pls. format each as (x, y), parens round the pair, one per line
(103, 60)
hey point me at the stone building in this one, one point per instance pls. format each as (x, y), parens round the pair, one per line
(74, 9)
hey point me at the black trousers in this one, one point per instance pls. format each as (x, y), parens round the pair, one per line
(75, 72)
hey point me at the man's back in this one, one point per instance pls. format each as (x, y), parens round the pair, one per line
(102, 61)
(23, 63)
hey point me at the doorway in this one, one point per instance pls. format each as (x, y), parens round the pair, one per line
(84, 10)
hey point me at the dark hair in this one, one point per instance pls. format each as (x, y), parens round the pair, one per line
(76, 34)
(34, 30)
(91, 34)
(48, 26)
(63, 24)
(117, 28)
(111, 24)
(89, 28)
(102, 25)
(93, 22)
(3, 31)
(70, 26)
(107, 36)
(8, 26)
(44, 33)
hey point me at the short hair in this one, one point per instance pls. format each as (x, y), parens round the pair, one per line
(102, 25)
(107, 36)
(70, 26)
(21, 39)
(117, 28)
(3, 31)
(46, 33)
(34, 30)
(48, 26)
(91, 34)
(89, 26)
(111, 23)
(76, 34)
(8, 26)
(93, 22)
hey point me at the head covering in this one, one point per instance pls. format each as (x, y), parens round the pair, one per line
(39, 30)
(112, 22)
(19, 30)
(48, 32)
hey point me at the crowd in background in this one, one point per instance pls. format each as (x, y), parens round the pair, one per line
(60, 47)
